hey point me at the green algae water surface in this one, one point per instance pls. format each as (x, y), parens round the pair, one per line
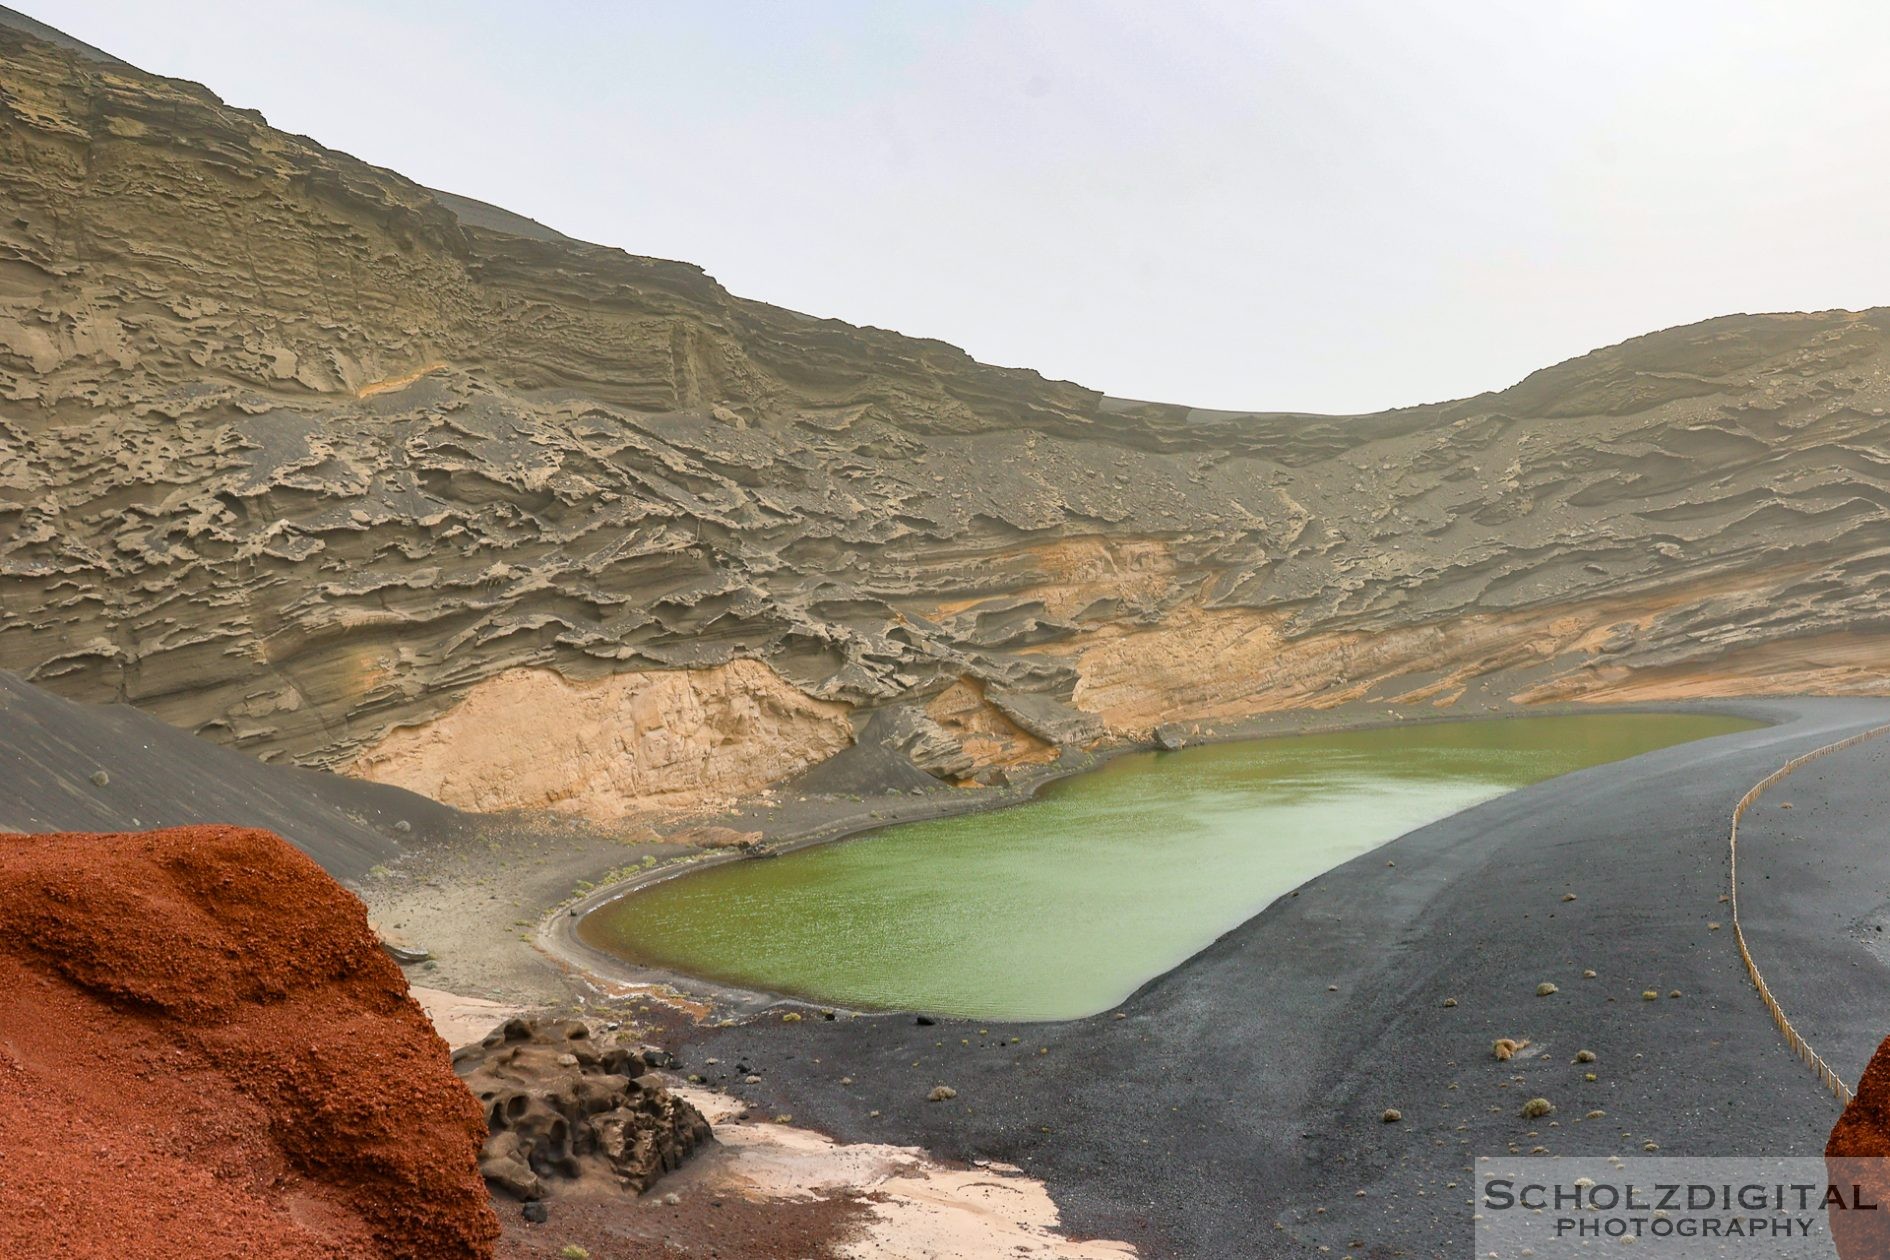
(1062, 906)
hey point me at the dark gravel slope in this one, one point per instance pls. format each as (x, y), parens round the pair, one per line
(157, 776)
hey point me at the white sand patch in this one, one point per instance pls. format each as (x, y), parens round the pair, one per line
(921, 1210)
(460, 1021)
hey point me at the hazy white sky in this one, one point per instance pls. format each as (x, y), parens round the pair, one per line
(1331, 205)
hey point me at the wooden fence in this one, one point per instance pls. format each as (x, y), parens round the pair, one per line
(1793, 1038)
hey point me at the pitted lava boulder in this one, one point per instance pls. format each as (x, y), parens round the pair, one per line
(566, 1109)
(205, 1054)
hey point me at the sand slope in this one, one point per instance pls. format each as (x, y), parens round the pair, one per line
(52, 752)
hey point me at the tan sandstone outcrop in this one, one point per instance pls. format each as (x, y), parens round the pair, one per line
(530, 739)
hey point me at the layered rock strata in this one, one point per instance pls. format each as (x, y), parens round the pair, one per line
(302, 456)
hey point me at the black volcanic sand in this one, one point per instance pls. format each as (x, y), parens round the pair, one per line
(53, 753)
(1224, 1105)
(1813, 885)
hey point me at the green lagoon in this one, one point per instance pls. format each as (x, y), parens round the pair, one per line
(1062, 906)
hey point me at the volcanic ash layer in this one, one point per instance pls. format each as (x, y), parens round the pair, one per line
(205, 1053)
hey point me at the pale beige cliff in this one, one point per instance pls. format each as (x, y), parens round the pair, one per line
(530, 739)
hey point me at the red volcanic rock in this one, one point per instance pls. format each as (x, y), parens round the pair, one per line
(1857, 1163)
(205, 1053)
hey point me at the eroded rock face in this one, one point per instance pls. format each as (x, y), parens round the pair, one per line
(564, 1111)
(292, 456)
(530, 738)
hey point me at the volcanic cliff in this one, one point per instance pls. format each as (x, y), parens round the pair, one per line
(305, 457)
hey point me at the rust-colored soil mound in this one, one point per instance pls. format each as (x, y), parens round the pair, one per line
(1858, 1155)
(204, 1053)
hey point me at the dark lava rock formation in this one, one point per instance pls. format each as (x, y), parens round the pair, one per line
(564, 1111)
(205, 1054)
(300, 455)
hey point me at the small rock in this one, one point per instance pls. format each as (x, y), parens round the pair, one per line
(406, 955)
(1545, 989)
(752, 1080)
(1392, 1115)
(792, 1017)
(1568, 896)
(403, 826)
(940, 1093)
(672, 1199)
(1584, 1056)
(537, 1212)
(100, 778)
(1449, 1002)
(1650, 995)
(1170, 738)
(1588, 975)
(1536, 1108)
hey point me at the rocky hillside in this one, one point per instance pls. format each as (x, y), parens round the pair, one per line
(294, 455)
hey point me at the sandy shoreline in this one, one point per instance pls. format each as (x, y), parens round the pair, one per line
(856, 1200)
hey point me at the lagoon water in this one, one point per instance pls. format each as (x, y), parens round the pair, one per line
(1062, 906)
